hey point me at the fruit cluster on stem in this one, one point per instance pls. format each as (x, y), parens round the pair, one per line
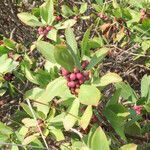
(76, 78)
(44, 30)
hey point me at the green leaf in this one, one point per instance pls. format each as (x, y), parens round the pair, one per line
(58, 87)
(46, 49)
(84, 44)
(3, 138)
(34, 93)
(133, 129)
(83, 8)
(67, 24)
(147, 107)
(97, 57)
(66, 11)
(7, 64)
(72, 116)
(110, 78)
(115, 4)
(4, 129)
(114, 99)
(99, 140)
(57, 133)
(131, 146)
(47, 11)
(30, 139)
(29, 122)
(145, 45)
(126, 91)
(63, 57)
(71, 41)
(115, 121)
(89, 98)
(30, 75)
(9, 43)
(29, 19)
(145, 86)
(26, 109)
(100, 2)
(86, 117)
(52, 35)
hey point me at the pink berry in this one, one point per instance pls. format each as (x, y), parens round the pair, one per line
(84, 64)
(137, 109)
(40, 29)
(58, 18)
(79, 76)
(49, 28)
(71, 84)
(72, 76)
(76, 70)
(81, 82)
(64, 72)
(86, 74)
(45, 32)
(77, 85)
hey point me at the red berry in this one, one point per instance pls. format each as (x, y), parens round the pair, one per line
(49, 28)
(81, 81)
(72, 76)
(8, 77)
(76, 70)
(84, 64)
(86, 74)
(64, 72)
(1, 42)
(79, 76)
(71, 84)
(58, 18)
(45, 32)
(40, 29)
(77, 85)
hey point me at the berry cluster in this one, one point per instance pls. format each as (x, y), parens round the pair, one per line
(76, 78)
(103, 16)
(138, 109)
(44, 30)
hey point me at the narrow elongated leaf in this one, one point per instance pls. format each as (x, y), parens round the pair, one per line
(89, 95)
(30, 139)
(97, 57)
(110, 78)
(99, 140)
(86, 117)
(29, 19)
(47, 11)
(71, 117)
(145, 86)
(66, 11)
(47, 50)
(83, 8)
(71, 41)
(84, 43)
(63, 57)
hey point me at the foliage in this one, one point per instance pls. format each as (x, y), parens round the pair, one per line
(65, 94)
